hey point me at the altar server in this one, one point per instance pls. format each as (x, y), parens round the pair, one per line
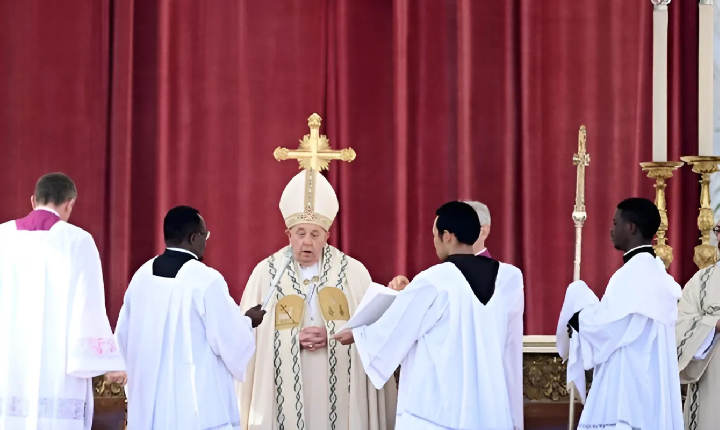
(628, 337)
(447, 330)
(183, 337)
(54, 333)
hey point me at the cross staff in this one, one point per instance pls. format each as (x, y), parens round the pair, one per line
(314, 152)
(581, 160)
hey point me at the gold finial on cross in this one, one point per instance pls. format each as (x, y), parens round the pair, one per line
(314, 152)
(581, 160)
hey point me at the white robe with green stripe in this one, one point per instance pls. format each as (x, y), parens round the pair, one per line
(287, 388)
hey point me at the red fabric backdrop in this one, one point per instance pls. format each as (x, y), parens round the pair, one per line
(153, 103)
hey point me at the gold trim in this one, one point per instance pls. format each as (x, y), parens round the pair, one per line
(539, 344)
(661, 172)
(309, 218)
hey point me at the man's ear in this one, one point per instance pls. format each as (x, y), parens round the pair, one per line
(484, 231)
(632, 228)
(32, 201)
(288, 233)
(447, 237)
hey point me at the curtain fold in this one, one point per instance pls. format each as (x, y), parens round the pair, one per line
(154, 103)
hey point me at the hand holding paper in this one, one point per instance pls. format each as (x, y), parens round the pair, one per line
(375, 302)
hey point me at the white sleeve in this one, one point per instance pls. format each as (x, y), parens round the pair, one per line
(383, 345)
(92, 350)
(121, 328)
(514, 348)
(228, 331)
(705, 346)
(599, 341)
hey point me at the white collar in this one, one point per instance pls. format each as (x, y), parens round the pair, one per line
(637, 247)
(43, 208)
(183, 250)
(484, 249)
(310, 269)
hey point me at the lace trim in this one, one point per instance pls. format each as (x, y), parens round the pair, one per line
(69, 409)
(604, 426)
(98, 346)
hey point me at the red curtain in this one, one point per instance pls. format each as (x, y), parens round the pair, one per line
(153, 103)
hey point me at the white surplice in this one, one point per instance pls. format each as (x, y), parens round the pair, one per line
(184, 340)
(54, 331)
(449, 346)
(510, 287)
(629, 339)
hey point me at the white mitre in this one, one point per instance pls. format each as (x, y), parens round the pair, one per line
(309, 198)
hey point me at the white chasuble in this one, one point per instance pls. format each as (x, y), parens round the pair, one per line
(699, 313)
(54, 332)
(289, 388)
(451, 350)
(628, 338)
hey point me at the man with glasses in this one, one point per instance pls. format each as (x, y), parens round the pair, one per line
(183, 337)
(697, 332)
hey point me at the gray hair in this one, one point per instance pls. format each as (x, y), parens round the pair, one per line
(482, 211)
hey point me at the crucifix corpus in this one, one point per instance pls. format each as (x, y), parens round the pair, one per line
(579, 215)
(314, 152)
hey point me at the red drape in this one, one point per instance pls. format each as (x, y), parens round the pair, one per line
(153, 103)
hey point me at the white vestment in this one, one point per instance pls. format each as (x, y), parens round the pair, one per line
(450, 347)
(510, 287)
(288, 387)
(184, 340)
(697, 338)
(629, 339)
(54, 332)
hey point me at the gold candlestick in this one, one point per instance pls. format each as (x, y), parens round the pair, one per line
(705, 254)
(661, 172)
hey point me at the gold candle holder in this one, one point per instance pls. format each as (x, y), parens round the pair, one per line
(705, 254)
(661, 172)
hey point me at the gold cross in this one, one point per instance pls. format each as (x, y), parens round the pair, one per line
(314, 152)
(581, 160)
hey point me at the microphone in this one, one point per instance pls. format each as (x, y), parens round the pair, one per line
(284, 264)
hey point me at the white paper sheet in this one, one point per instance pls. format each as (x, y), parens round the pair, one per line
(375, 302)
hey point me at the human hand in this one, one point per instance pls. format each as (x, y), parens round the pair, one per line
(119, 377)
(399, 283)
(313, 338)
(345, 337)
(256, 315)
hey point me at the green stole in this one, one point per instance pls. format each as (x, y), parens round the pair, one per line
(290, 306)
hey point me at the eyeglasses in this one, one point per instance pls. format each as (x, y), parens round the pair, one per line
(716, 229)
(206, 234)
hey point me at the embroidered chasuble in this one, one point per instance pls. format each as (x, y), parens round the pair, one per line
(289, 388)
(699, 312)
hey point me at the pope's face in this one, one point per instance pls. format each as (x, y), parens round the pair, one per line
(307, 241)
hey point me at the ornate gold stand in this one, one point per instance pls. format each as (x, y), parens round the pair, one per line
(661, 172)
(705, 254)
